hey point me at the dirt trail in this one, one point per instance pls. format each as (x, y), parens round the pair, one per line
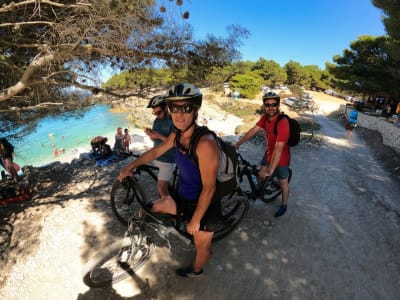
(338, 240)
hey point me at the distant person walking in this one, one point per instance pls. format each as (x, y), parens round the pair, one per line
(349, 130)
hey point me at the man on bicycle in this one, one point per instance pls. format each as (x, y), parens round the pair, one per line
(162, 128)
(277, 155)
(197, 183)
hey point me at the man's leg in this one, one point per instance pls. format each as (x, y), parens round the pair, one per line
(164, 175)
(284, 184)
(162, 186)
(283, 175)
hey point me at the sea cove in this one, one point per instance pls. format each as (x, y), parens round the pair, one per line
(69, 134)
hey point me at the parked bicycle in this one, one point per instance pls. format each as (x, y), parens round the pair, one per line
(267, 190)
(123, 257)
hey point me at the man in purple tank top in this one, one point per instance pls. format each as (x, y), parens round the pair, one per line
(197, 183)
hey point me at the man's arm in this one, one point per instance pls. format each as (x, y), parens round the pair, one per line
(248, 136)
(207, 153)
(147, 157)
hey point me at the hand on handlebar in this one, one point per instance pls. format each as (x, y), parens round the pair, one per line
(125, 172)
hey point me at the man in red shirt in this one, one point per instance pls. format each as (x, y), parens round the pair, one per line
(276, 159)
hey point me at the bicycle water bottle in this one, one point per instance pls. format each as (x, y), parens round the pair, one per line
(254, 178)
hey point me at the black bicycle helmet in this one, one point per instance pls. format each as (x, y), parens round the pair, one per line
(158, 100)
(271, 95)
(184, 91)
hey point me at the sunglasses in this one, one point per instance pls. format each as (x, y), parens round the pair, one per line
(157, 113)
(185, 108)
(270, 104)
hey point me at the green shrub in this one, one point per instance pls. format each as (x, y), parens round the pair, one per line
(248, 85)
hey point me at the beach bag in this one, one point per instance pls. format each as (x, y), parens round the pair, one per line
(294, 128)
(228, 160)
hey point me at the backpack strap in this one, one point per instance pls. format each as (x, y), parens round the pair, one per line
(194, 140)
(280, 117)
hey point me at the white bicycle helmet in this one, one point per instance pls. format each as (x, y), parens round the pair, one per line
(271, 95)
(184, 91)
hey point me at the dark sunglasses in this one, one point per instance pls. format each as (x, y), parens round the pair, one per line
(185, 108)
(157, 113)
(270, 104)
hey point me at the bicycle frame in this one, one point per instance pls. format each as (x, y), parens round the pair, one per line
(268, 190)
(248, 170)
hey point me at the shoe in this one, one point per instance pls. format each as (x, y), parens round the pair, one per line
(188, 273)
(281, 211)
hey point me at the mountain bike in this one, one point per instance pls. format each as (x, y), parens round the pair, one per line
(267, 190)
(123, 257)
(123, 194)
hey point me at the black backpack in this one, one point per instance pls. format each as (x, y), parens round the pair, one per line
(294, 128)
(228, 160)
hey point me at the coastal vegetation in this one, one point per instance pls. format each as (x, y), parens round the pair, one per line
(54, 54)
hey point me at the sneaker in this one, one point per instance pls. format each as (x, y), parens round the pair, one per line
(281, 211)
(188, 273)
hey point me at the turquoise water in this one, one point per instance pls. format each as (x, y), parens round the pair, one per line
(73, 134)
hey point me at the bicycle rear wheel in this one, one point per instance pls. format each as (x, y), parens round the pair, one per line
(125, 199)
(117, 261)
(233, 210)
(271, 188)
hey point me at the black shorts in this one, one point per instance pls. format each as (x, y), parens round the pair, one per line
(211, 218)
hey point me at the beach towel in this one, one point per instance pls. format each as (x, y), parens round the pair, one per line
(102, 162)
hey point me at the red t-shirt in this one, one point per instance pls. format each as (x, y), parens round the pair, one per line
(283, 136)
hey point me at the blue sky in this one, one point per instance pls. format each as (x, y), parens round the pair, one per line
(310, 32)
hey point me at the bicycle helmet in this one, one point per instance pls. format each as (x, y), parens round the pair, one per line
(271, 95)
(158, 100)
(184, 91)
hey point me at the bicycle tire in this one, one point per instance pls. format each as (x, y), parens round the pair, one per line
(271, 190)
(233, 211)
(125, 199)
(104, 268)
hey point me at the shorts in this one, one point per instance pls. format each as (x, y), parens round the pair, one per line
(211, 218)
(165, 170)
(282, 172)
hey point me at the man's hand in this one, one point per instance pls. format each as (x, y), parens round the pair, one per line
(265, 172)
(125, 172)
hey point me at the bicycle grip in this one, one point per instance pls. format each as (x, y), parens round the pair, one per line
(179, 235)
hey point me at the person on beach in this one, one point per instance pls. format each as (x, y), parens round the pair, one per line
(99, 147)
(127, 140)
(119, 147)
(199, 194)
(161, 129)
(277, 155)
(6, 159)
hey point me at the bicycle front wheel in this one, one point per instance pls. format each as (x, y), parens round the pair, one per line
(125, 199)
(116, 261)
(271, 189)
(233, 211)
